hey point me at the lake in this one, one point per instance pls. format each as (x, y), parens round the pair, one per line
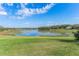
(38, 33)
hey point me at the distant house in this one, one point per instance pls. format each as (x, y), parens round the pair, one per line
(68, 27)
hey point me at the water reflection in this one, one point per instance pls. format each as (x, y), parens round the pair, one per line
(38, 33)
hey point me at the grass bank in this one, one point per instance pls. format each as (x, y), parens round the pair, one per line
(38, 46)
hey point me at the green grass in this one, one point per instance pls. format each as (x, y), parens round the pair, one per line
(63, 30)
(38, 46)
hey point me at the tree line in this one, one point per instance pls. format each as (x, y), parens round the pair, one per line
(64, 26)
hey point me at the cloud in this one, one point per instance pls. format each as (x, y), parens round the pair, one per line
(3, 13)
(24, 11)
(10, 4)
(2, 10)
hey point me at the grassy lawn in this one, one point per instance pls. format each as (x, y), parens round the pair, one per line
(63, 30)
(38, 46)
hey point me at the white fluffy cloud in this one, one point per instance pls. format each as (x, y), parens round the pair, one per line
(10, 4)
(24, 11)
(2, 10)
(3, 13)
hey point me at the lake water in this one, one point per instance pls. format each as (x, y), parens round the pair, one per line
(37, 33)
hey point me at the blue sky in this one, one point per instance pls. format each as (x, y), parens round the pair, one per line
(38, 14)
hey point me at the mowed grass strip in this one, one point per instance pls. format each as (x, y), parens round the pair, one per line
(38, 46)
